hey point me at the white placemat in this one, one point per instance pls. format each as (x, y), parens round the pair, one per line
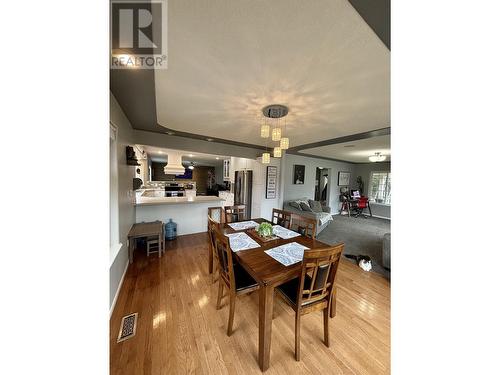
(242, 225)
(284, 233)
(241, 241)
(287, 254)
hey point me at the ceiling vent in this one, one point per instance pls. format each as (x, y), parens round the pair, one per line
(174, 164)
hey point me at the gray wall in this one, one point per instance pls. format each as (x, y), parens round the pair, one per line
(364, 171)
(292, 191)
(126, 209)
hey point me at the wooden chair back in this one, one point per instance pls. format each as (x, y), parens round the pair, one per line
(235, 213)
(303, 225)
(216, 214)
(282, 218)
(225, 259)
(213, 226)
(322, 265)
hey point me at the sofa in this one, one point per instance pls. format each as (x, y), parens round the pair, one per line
(322, 214)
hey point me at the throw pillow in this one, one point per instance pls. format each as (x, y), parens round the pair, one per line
(295, 204)
(315, 206)
(305, 207)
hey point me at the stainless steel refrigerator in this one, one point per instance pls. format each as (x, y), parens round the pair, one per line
(243, 190)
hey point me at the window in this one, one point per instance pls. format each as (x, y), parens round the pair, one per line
(380, 187)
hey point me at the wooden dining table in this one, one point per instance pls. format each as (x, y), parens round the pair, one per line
(269, 273)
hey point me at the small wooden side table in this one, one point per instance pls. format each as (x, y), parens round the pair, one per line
(138, 230)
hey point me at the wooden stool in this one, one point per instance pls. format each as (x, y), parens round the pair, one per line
(152, 245)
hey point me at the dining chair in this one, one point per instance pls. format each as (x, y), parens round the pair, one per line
(308, 293)
(232, 276)
(235, 213)
(303, 225)
(282, 218)
(216, 213)
(213, 258)
(152, 244)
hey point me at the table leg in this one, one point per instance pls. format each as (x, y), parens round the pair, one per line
(266, 296)
(210, 259)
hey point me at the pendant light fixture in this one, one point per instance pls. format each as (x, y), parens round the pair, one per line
(276, 135)
(266, 158)
(264, 130)
(274, 113)
(284, 141)
(277, 152)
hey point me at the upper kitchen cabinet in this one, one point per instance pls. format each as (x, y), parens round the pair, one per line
(226, 171)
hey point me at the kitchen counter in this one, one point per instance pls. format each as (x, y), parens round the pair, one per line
(151, 201)
(190, 213)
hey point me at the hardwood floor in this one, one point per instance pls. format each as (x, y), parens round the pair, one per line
(179, 331)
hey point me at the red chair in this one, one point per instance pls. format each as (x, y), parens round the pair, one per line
(361, 204)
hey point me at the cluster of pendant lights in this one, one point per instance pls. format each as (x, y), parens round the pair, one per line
(276, 136)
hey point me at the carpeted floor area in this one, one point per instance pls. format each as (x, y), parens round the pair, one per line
(361, 237)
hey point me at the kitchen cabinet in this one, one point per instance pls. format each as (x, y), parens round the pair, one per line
(226, 171)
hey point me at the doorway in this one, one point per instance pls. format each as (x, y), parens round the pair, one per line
(321, 186)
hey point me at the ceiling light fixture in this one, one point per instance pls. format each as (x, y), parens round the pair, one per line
(273, 115)
(377, 157)
(210, 139)
(191, 166)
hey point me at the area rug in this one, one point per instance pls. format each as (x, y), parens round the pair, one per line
(361, 237)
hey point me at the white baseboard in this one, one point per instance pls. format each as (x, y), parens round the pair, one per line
(118, 289)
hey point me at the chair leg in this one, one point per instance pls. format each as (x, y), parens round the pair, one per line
(297, 336)
(214, 274)
(219, 294)
(325, 324)
(232, 301)
(333, 305)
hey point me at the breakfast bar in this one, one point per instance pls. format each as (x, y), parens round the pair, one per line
(190, 213)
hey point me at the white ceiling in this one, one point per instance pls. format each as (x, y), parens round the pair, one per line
(229, 58)
(362, 149)
(160, 155)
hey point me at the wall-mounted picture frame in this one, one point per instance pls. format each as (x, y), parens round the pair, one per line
(271, 182)
(299, 174)
(344, 178)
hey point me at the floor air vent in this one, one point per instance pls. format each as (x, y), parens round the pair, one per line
(127, 328)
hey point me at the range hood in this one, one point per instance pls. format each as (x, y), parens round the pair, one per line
(174, 164)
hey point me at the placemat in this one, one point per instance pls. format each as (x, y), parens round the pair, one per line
(284, 233)
(242, 225)
(287, 254)
(241, 241)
